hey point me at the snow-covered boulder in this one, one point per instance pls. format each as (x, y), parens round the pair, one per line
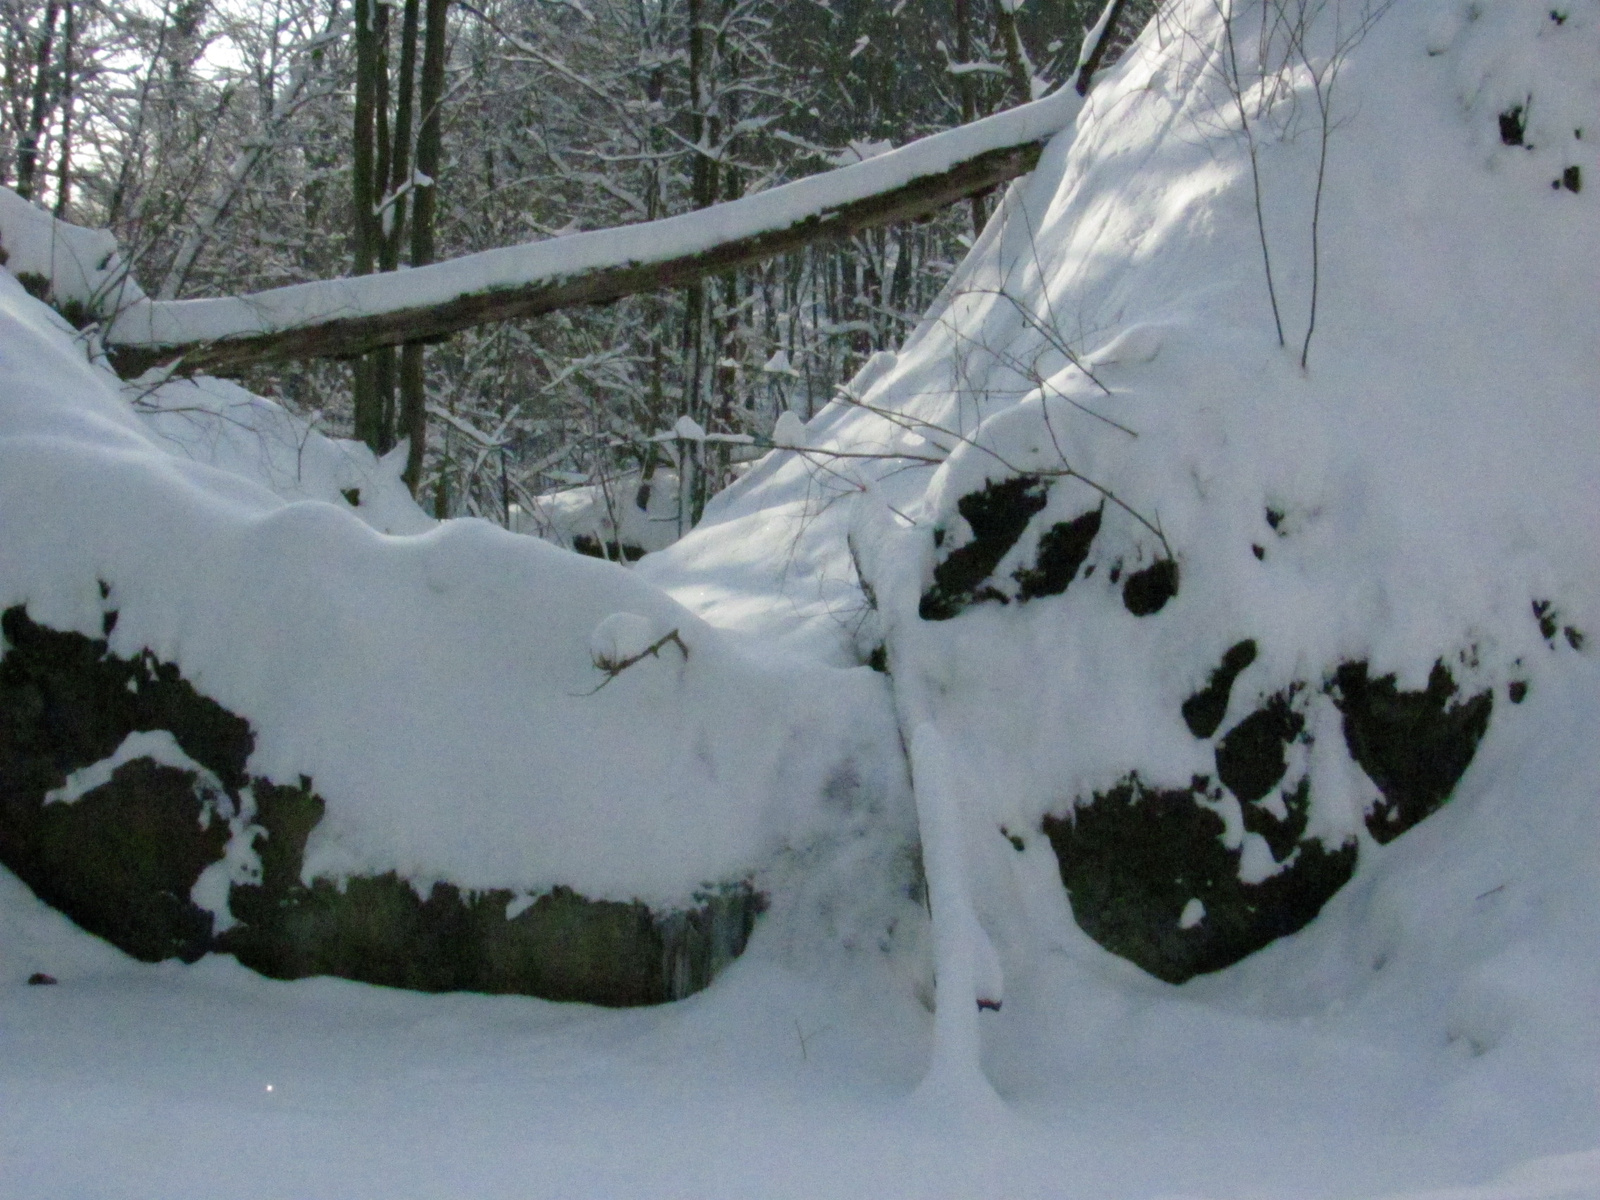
(1243, 481)
(237, 714)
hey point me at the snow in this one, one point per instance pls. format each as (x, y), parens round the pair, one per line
(1405, 499)
(789, 432)
(218, 423)
(1193, 913)
(80, 265)
(621, 637)
(158, 745)
(607, 513)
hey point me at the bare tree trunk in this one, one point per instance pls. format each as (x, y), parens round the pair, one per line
(33, 135)
(1093, 55)
(966, 88)
(1017, 68)
(413, 380)
(399, 182)
(368, 403)
(64, 162)
(382, 153)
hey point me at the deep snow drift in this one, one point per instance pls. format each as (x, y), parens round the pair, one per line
(1424, 494)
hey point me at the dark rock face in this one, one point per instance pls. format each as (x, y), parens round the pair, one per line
(1413, 745)
(1062, 549)
(1250, 759)
(997, 513)
(122, 859)
(119, 861)
(614, 550)
(1134, 858)
(1203, 711)
(1147, 591)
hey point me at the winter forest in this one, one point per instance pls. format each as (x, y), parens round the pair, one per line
(800, 598)
(226, 148)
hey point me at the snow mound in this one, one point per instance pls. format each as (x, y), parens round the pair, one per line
(219, 423)
(437, 687)
(1228, 627)
(76, 269)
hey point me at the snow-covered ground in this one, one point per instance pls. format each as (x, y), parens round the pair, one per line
(1406, 498)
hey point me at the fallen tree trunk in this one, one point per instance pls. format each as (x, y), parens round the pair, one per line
(344, 318)
(347, 317)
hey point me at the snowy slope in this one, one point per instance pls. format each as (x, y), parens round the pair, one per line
(1424, 492)
(1403, 501)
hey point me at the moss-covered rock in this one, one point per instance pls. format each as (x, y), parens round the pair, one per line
(1413, 745)
(1147, 869)
(1062, 550)
(1146, 591)
(997, 513)
(1203, 711)
(615, 551)
(123, 859)
(1150, 879)
(1251, 758)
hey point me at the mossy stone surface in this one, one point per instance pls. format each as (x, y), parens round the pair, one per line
(997, 514)
(1134, 857)
(122, 859)
(1251, 756)
(1414, 746)
(1062, 550)
(1146, 591)
(1203, 711)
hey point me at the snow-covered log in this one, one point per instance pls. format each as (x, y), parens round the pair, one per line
(345, 317)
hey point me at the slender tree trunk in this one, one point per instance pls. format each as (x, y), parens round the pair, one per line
(1017, 68)
(383, 364)
(413, 380)
(68, 67)
(39, 112)
(397, 196)
(966, 88)
(1109, 22)
(368, 403)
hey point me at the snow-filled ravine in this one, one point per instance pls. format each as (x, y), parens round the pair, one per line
(1142, 739)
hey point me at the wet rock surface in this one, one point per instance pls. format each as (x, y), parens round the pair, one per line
(1062, 550)
(1203, 711)
(123, 859)
(1250, 758)
(1147, 590)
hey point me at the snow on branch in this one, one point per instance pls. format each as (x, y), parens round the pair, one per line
(345, 317)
